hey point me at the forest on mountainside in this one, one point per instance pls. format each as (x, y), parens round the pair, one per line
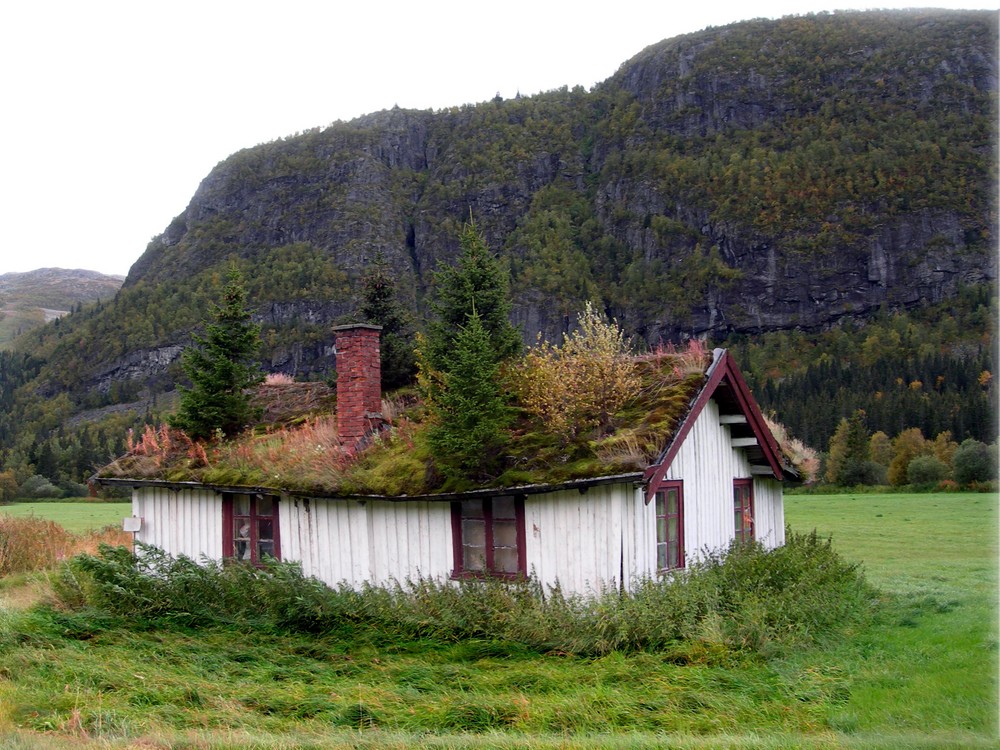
(816, 192)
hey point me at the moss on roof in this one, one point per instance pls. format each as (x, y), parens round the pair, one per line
(308, 458)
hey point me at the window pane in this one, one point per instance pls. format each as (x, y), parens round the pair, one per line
(473, 544)
(672, 556)
(265, 505)
(503, 507)
(472, 509)
(241, 544)
(265, 549)
(661, 529)
(505, 560)
(265, 529)
(672, 529)
(473, 559)
(241, 505)
(473, 533)
(672, 502)
(504, 534)
(659, 504)
(661, 556)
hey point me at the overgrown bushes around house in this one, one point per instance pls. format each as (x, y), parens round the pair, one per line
(742, 602)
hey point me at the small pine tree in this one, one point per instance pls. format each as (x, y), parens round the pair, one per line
(472, 417)
(849, 462)
(380, 306)
(477, 281)
(221, 367)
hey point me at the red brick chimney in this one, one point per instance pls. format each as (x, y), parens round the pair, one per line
(359, 382)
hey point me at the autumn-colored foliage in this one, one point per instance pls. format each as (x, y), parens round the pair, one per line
(577, 387)
(308, 455)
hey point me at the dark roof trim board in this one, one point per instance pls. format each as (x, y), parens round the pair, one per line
(582, 485)
(721, 373)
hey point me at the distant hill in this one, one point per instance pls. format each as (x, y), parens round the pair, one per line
(29, 299)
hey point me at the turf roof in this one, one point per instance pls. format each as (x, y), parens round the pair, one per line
(307, 458)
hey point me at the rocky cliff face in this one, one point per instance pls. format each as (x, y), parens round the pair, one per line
(767, 175)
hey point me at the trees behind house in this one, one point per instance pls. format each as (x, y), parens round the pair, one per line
(380, 305)
(856, 457)
(221, 367)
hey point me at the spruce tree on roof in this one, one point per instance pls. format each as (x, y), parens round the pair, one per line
(480, 282)
(470, 430)
(222, 366)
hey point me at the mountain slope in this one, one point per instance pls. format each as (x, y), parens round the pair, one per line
(30, 299)
(764, 176)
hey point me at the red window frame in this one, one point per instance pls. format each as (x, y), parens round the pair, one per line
(669, 544)
(743, 510)
(495, 522)
(247, 546)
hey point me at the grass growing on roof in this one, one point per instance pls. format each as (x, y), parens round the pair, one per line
(308, 456)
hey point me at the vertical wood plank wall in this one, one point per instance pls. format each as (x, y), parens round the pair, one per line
(707, 463)
(588, 541)
(181, 522)
(353, 542)
(769, 509)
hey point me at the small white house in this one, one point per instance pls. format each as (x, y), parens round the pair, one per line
(718, 478)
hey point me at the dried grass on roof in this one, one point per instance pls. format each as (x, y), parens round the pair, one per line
(302, 453)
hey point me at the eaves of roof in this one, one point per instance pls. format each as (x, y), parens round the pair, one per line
(581, 485)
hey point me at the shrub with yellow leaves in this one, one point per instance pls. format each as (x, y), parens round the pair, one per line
(577, 387)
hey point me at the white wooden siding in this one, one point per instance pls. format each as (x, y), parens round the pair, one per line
(769, 509)
(588, 541)
(181, 522)
(353, 542)
(707, 463)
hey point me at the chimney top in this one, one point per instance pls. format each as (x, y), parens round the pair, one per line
(351, 326)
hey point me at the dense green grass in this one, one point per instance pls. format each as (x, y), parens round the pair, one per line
(76, 517)
(931, 665)
(923, 675)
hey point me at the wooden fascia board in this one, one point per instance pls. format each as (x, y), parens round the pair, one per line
(581, 485)
(655, 473)
(724, 368)
(748, 405)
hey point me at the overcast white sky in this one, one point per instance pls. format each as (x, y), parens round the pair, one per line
(113, 112)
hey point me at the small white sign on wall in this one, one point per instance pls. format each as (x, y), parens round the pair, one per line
(133, 524)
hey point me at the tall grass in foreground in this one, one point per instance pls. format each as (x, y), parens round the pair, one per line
(748, 600)
(31, 544)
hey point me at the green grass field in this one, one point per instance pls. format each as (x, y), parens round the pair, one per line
(933, 667)
(75, 517)
(923, 675)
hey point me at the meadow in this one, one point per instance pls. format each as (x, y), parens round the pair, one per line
(922, 672)
(76, 516)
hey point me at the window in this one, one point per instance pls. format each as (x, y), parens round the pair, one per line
(743, 509)
(250, 527)
(670, 526)
(489, 537)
